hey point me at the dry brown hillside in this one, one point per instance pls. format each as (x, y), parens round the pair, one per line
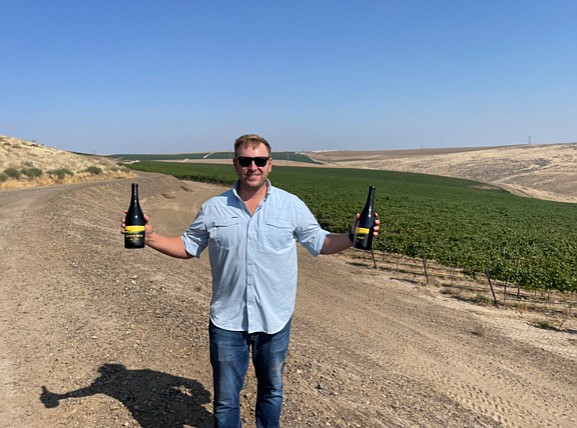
(542, 171)
(29, 164)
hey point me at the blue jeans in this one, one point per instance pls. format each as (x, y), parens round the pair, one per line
(229, 356)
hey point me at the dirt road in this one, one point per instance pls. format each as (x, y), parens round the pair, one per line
(93, 335)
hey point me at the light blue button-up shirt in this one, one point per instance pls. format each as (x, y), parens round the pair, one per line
(253, 257)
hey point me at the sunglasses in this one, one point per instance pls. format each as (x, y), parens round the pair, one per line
(259, 161)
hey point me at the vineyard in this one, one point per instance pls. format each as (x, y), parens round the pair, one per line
(480, 229)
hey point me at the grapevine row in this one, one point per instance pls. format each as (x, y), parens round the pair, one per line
(528, 242)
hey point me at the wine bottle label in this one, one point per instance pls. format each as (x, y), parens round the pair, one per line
(134, 234)
(362, 231)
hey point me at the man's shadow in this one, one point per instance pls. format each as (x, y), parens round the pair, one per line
(155, 399)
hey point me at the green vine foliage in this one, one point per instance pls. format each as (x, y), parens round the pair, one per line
(529, 242)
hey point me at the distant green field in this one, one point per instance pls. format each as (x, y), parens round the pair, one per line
(462, 223)
(278, 156)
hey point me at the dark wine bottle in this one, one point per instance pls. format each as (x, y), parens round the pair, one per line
(134, 223)
(364, 228)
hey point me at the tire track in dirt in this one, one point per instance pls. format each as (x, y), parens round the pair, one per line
(509, 383)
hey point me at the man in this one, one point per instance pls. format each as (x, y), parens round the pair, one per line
(250, 231)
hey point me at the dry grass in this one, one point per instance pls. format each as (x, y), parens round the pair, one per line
(50, 166)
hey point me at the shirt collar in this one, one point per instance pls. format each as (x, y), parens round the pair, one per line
(268, 189)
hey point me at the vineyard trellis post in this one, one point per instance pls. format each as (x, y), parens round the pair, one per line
(373, 257)
(425, 269)
(495, 302)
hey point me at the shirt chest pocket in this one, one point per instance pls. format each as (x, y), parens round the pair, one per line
(278, 235)
(225, 232)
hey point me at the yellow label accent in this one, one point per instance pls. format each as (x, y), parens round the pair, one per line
(134, 229)
(362, 231)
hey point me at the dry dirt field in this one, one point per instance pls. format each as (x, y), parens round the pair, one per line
(93, 335)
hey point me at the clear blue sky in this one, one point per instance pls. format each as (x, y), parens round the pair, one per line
(142, 76)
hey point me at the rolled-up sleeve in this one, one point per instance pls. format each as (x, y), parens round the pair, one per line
(195, 238)
(308, 232)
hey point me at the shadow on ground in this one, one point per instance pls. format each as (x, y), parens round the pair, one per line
(155, 399)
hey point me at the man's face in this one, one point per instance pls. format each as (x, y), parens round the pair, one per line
(252, 176)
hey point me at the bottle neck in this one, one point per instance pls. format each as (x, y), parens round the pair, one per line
(135, 192)
(371, 196)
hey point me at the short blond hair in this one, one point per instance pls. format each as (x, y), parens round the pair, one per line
(250, 140)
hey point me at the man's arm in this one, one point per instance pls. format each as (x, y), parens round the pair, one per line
(171, 246)
(336, 243)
